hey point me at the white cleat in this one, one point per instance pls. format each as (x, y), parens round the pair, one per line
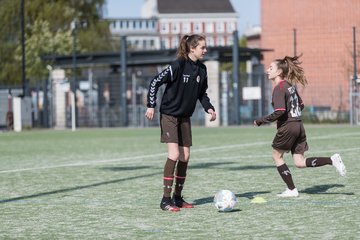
(289, 193)
(338, 164)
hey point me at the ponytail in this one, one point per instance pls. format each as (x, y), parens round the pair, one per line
(291, 70)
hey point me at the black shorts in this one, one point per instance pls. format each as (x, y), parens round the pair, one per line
(175, 130)
(291, 136)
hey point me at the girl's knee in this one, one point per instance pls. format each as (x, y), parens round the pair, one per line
(299, 165)
(184, 157)
(299, 160)
(173, 155)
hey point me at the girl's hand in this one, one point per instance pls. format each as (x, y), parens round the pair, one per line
(257, 123)
(213, 115)
(150, 113)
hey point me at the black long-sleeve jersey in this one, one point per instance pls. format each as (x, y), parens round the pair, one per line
(186, 82)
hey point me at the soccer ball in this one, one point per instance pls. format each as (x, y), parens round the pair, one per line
(225, 200)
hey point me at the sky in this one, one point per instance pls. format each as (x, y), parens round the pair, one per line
(248, 11)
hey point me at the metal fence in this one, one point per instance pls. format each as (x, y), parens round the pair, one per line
(99, 101)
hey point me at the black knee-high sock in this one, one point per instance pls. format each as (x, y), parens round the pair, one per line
(318, 161)
(180, 177)
(286, 176)
(168, 176)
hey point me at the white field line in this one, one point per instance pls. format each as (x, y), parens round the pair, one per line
(107, 161)
(206, 149)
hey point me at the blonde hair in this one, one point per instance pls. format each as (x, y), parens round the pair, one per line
(291, 69)
(186, 43)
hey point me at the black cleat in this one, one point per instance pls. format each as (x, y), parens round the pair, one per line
(180, 202)
(167, 205)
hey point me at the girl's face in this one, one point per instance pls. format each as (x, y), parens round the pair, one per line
(273, 71)
(199, 51)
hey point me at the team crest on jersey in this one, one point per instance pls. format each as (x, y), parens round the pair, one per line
(198, 78)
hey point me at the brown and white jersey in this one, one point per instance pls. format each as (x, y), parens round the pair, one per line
(286, 98)
(287, 105)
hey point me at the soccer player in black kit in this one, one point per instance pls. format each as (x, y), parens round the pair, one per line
(186, 82)
(290, 136)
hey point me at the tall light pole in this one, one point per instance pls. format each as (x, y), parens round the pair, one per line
(23, 71)
(74, 108)
(49, 91)
(355, 67)
(235, 60)
(123, 77)
(294, 30)
(355, 93)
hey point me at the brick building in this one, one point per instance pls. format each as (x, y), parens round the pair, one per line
(324, 35)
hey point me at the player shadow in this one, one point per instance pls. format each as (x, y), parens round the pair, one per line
(126, 168)
(249, 195)
(323, 189)
(65, 190)
(217, 164)
(232, 211)
(208, 165)
(252, 167)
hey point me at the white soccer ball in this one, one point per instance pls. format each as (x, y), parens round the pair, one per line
(225, 200)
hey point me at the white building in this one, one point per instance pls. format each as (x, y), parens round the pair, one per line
(163, 22)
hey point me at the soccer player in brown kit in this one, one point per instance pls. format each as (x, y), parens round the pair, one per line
(186, 82)
(290, 136)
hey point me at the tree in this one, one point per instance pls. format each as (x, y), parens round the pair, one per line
(9, 38)
(40, 41)
(48, 32)
(228, 66)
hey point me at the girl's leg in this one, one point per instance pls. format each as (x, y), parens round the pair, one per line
(181, 169)
(334, 160)
(285, 174)
(180, 178)
(173, 155)
(301, 162)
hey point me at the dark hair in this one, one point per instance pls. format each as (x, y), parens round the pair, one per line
(291, 69)
(186, 43)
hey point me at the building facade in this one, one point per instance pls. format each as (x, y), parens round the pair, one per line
(323, 32)
(163, 22)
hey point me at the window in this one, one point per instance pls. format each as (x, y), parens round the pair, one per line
(174, 42)
(219, 27)
(221, 41)
(197, 27)
(175, 28)
(230, 40)
(209, 27)
(164, 28)
(230, 27)
(165, 44)
(210, 41)
(186, 28)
